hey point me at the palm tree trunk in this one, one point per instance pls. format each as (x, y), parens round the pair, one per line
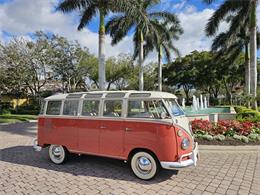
(253, 66)
(247, 70)
(160, 69)
(101, 52)
(141, 59)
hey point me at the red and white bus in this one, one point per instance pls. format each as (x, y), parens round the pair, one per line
(147, 129)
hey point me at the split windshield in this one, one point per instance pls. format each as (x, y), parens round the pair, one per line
(173, 107)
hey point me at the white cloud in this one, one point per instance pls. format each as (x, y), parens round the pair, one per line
(20, 17)
(194, 38)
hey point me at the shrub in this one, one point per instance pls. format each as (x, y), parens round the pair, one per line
(219, 137)
(207, 137)
(247, 114)
(237, 137)
(244, 139)
(230, 133)
(5, 107)
(253, 136)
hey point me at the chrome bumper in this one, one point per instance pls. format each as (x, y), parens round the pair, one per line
(35, 145)
(183, 163)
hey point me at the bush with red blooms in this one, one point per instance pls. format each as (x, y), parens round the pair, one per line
(223, 127)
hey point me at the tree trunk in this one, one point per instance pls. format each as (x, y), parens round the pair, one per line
(160, 69)
(186, 91)
(101, 52)
(253, 66)
(141, 59)
(228, 92)
(247, 70)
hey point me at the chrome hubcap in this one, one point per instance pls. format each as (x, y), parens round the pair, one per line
(144, 165)
(57, 152)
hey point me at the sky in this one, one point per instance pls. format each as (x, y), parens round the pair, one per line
(22, 18)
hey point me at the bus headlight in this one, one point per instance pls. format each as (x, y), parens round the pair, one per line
(185, 143)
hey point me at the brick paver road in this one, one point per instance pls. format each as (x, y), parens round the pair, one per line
(23, 171)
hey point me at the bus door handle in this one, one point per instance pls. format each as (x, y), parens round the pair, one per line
(103, 127)
(128, 129)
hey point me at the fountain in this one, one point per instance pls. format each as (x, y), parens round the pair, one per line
(201, 102)
(194, 103)
(183, 103)
(205, 102)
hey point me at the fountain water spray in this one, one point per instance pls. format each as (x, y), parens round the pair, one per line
(194, 103)
(201, 102)
(183, 103)
(205, 102)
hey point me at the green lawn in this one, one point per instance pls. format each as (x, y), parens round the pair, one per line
(12, 118)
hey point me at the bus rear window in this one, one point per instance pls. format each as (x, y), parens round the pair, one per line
(42, 107)
(53, 108)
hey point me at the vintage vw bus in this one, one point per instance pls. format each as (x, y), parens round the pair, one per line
(147, 129)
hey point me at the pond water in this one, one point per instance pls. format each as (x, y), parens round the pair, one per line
(188, 110)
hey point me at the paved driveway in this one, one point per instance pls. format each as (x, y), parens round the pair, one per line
(221, 170)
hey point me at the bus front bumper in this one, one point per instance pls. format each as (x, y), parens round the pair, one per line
(36, 147)
(193, 157)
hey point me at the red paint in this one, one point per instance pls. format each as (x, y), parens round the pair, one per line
(108, 137)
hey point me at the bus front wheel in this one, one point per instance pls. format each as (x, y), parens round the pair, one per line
(144, 165)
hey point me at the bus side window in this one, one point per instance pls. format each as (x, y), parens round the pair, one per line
(145, 109)
(53, 108)
(70, 107)
(113, 108)
(90, 108)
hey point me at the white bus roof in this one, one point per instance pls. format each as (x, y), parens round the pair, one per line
(116, 94)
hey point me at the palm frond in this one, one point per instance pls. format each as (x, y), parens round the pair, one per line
(87, 15)
(118, 27)
(227, 7)
(166, 16)
(70, 5)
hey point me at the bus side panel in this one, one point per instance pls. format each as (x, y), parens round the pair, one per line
(159, 138)
(59, 131)
(40, 132)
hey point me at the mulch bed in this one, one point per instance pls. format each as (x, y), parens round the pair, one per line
(227, 141)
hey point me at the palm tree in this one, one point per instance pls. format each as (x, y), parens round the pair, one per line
(244, 15)
(224, 45)
(89, 9)
(142, 21)
(162, 42)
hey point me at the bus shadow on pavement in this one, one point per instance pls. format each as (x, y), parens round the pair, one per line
(84, 165)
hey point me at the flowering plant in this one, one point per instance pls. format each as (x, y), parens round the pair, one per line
(224, 127)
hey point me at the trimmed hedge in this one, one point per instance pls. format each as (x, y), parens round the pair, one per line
(247, 114)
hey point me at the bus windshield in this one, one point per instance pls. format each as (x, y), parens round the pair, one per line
(174, 107)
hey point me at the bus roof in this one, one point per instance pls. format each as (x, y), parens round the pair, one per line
(112, 94)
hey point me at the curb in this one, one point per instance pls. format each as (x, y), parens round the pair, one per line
(229, 148)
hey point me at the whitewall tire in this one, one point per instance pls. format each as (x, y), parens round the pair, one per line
(144, 165)
(57, 154)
